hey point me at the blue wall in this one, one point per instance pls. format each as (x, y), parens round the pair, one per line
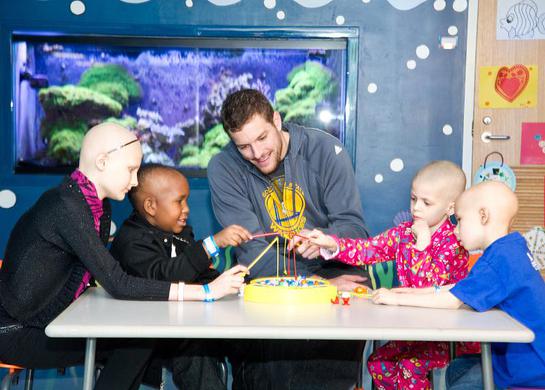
(402, 121)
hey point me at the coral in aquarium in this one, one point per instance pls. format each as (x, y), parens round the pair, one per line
(71, 110)
(227, 83)
(77, 102)
(113, 81)
(65, 141)
(158, 140)
(309, 84)
(215, 139)
(126, 121)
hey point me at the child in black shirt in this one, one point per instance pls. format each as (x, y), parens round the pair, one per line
(155, 242)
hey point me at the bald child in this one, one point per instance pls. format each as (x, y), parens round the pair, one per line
(426, 253)
(156, 242)
(503, 277)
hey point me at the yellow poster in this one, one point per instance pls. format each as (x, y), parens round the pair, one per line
(508, 86)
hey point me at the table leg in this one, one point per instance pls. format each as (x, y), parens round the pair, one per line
(486, 360)
(89, 367)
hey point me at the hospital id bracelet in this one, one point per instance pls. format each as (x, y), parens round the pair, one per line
(211, 246)
(207, 297)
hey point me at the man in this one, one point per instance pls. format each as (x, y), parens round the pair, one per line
(284, 179)
(287, 179)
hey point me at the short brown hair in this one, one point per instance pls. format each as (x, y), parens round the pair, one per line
(241, 106)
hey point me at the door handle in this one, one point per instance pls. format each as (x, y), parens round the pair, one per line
(487, 136)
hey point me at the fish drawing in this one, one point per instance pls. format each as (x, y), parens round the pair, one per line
(522, 19)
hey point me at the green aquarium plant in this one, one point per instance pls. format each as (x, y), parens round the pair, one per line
(65, 144)
(214, 140)
(126, 121)
(309, 84)
(70, 110)
(113, 81)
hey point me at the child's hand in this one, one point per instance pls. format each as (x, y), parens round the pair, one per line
(422, 233)
(385, 297)
(314, 238)
(303, 245)
(233, 235)
(322, 240)
(228, 282)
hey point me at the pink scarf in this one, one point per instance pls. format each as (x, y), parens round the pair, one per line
(90, 193)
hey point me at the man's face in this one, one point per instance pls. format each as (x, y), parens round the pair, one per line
(120, 172)
(172, 207)
(262, 143)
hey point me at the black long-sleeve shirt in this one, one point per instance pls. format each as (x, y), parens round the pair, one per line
(145, 251)
(49, 250)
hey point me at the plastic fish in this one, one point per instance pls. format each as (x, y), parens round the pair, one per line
(522, 19)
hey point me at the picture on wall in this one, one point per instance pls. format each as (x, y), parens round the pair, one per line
(532, 144)
(168, 91)
(508, 86)
(520, 19)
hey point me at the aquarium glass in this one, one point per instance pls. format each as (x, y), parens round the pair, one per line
(167, 90)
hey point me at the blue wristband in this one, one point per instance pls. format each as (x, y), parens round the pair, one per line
(211, 247)
(207, 297)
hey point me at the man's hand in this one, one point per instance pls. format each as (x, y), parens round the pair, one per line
(422, 233)
(233, 235)
(347, 282)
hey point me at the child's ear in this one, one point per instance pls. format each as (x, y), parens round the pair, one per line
(484, 215)
(150, 206)
(450, 209)
(100, 161)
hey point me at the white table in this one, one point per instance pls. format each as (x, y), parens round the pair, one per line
(97, 315)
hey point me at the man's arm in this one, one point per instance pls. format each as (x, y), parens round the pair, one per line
(341, 195)
(232, 205)
(341, 203)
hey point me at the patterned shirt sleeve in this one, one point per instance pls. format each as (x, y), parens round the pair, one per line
(359, 251)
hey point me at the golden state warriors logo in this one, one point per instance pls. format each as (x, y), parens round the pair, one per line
(286, 213)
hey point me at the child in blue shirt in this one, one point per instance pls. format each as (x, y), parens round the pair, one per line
(503, 277)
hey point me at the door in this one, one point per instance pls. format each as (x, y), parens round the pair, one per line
(499, 129)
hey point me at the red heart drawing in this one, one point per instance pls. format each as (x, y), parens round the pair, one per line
(510, 82)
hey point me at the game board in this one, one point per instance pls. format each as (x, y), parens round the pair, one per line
(290, 290)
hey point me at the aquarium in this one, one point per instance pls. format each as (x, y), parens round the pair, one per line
(169, 91)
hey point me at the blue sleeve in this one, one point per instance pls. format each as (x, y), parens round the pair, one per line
(483, 288)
